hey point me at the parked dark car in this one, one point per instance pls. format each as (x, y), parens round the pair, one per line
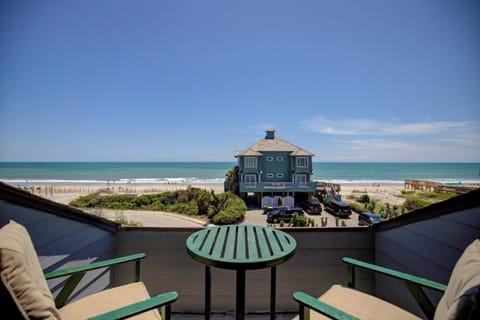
(285, 214)
(368, 218)
(312, 207)
(338, 208)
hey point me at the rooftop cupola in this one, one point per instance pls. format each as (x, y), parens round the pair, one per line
(270, 134)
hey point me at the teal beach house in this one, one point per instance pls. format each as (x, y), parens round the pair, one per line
(273, 167)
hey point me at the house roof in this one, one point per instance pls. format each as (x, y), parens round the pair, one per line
(275, 144)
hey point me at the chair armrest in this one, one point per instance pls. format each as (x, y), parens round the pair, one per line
(76, 274)
(397, 274)
(140, 307)
(327, 310)
(93, 266)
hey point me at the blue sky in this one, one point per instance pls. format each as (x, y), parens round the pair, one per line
(196, 80)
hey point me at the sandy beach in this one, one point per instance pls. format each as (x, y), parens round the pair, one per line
(64, 192)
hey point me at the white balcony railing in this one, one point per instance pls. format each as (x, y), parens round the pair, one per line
(277, 185)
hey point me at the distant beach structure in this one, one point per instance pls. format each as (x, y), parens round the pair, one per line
(432, 186)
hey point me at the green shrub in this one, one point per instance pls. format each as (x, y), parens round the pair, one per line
(230, 215)
(357, 207)
(299, 221)
(224, 208)
(126, 222)
(415, 203)
(188, 208)
(365, 198)
(229, 209)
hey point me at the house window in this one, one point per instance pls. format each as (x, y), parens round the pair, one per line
(302, 162)
(279, 175)
(279, 158)
(269, 158)
(269, 175)
(301, 178)
(250, 162)
(250, 180)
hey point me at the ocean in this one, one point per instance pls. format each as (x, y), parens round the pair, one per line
(214, 172)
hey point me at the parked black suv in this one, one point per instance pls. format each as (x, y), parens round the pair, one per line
(338, 208)
(312, 207)
(285, 214)
(368, 218)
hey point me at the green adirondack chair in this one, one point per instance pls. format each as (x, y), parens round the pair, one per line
(24, 293)
(461, 298)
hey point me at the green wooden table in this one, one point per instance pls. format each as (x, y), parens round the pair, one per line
(240, 248)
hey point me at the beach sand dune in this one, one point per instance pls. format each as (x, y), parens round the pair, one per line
(381, 193)
(64, 193)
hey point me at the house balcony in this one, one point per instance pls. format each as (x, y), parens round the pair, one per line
(277, 186)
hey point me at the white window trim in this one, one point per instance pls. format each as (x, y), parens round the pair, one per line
(280, 175)
(250, 183)
(297, 176)
(269, 175)
(254, 159)
(279, 158)
(269, 158)
(302, 166)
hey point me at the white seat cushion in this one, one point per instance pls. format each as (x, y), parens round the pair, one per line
(22, 275)
(109, 300)
(360, 305)
(462, 298)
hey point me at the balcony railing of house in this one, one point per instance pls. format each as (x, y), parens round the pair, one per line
(277, 185)
(259, 186)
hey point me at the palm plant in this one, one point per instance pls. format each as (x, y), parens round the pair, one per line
(232, 178)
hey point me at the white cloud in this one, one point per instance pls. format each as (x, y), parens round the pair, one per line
(377, 144)
(381, 128)
(374, 140)
(468, 140)
(388, 150)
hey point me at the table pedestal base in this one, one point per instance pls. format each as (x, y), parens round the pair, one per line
(240, 293)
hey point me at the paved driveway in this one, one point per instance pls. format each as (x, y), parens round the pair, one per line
(256, 217)
(171, 220)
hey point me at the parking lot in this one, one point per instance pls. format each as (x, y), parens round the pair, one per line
(253, 216)
(256, 217)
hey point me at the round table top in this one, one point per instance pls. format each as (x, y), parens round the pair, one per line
(241, 246)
